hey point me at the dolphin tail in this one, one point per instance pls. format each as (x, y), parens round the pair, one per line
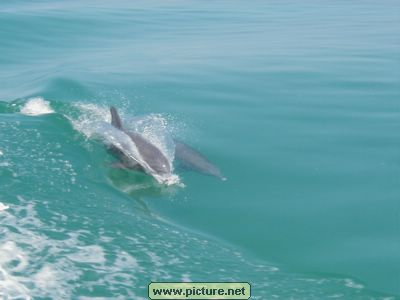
(115, 119)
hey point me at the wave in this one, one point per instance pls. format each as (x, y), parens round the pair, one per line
(68, 233)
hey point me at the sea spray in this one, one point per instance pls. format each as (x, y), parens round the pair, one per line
(36, 106)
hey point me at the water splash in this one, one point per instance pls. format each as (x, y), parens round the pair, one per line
(154, 127)
(36, 106)
(94, 122)
(3, 206)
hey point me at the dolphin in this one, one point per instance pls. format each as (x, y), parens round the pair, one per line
(193, 159)
(154, 161)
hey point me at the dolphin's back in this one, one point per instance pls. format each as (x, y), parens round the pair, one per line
(150, 154)
(153, 156)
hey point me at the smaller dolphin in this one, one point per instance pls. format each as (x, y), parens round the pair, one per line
(191, 158)
(154, 161)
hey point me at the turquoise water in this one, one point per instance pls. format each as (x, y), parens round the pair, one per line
(296, 103)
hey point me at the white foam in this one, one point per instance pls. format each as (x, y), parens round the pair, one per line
(90, 119)
(125, 259)
(9, 252)
(10, 285)
(18, 255)
(186, 278)
(36, 106)
(169, 179)
(1, 152)
(46, 278)
(3, 206)
(89, 254)
(351, 284)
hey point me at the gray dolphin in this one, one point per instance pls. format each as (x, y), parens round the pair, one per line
(156, 160)
(193, 159)
(151, 155)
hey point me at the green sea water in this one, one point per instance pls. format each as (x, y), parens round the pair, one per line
(296, 102)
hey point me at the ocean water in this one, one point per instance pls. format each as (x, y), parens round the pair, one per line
(296, 102)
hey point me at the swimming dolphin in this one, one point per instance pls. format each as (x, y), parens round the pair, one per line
(154, 161)
(195, 160)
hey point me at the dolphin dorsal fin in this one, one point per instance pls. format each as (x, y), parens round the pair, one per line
(115, 119)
